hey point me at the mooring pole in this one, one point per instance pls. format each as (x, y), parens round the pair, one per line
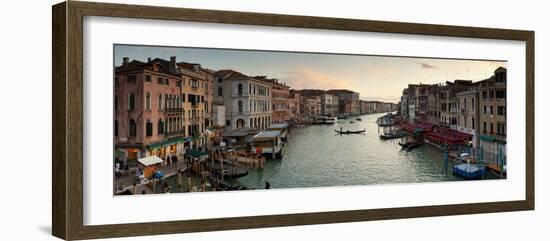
(445, 159)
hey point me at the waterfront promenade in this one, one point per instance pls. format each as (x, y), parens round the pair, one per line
(126, 182)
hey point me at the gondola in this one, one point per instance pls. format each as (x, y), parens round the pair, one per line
(410, 144)
(349, 132)
(393, 135)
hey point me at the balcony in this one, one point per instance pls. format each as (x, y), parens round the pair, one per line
(174, 133)
(195, 120)
(174, 110)
(239, 95)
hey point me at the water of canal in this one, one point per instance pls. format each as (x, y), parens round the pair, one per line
(317, 157)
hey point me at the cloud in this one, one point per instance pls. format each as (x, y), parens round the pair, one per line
(306, 78)
(427, 66)
(384, 98)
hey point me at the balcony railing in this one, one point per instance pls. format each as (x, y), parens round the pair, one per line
(174, 110)
(194, 120)
(174, 133)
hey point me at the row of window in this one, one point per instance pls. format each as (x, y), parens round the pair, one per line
(465, 121)
(170, 101)
(253, 89)
(161, 81)
(500, 128)
(257, 122)
(498, 94)
(501, 110)
(255, 105)
(173, 125)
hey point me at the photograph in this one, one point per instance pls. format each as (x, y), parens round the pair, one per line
(189, 119)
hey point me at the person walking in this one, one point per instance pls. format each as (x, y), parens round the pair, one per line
(175, 160)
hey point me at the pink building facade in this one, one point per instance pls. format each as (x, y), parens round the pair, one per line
(148, 114)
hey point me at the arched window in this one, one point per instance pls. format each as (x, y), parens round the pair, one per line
(240, 107)
(116, 128)
(160, 128)
(132, 128)
(240, 89)
(166, 101)
(149, 128)
(173, 128)
(148, 101)
(160, 102)
(131, 101)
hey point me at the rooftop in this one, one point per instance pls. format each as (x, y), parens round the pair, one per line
(279, 126)
(267, 135)
(240, 132)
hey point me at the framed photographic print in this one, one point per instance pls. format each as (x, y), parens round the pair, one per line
(171, 120)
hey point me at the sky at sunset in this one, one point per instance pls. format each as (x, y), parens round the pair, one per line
(374, 77)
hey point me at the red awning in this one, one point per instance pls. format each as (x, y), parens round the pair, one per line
(448, 136)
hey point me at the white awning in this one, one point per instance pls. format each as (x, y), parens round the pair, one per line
(150, 160)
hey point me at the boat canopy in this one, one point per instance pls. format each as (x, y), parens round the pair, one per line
(240, 132)
(267, 135)
(449, 136)
(170, 142)
(417, 128)
(150, 160)
(278, 126)
(196, 154)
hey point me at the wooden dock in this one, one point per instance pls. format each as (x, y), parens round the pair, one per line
(494, 167)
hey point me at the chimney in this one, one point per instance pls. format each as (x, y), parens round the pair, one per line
(173, 64)
(149, 60)
(125, 60)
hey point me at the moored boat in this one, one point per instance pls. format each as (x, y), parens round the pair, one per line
(410, 144)
(393, 135)
(325, 120)
(469, 171)
(347, 132)
(268, 144)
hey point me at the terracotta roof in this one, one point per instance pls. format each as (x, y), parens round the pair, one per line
(230, 74)
(133, 65)
(310, 92)
(340, 91)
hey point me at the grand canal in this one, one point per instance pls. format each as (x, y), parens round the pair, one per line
(316, 156)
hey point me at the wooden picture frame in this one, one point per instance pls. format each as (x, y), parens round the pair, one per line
(67, 123)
